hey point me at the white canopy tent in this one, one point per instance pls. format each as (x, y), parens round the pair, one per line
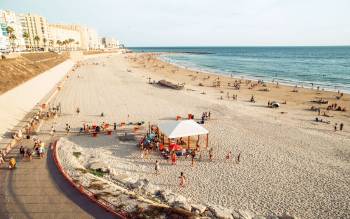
(182, 128)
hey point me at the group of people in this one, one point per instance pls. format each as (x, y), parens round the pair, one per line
(11, 163)
(341, 126)
(336, 107)
(38, 149)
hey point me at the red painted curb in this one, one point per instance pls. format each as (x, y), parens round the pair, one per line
(84, 191)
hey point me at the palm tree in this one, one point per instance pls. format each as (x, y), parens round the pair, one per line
(37, 39)
(26, 37)
(44, 41)
(12, 36)
(51, 42)
(77, 43)
(65, 42)
(70, 41)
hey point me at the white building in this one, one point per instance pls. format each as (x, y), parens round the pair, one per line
(4, 43)
(93, 39)
(10, 19)
(37, 29)
(110, 43)
(58, 33)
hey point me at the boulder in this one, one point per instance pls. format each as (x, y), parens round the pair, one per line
(184, 205)
(286, 216)
(139, 184)
(220, 212)
(246, 214)
(235, 215)
(198, 207)
(259, 217)
(150, 188)
(100, 166)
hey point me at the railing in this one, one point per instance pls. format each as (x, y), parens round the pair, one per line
(106, 205)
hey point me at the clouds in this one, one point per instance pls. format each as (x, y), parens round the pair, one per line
(204, 22)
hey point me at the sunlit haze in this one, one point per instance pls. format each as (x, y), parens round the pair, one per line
(203, 22)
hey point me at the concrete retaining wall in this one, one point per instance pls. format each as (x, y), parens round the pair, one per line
(16, 103)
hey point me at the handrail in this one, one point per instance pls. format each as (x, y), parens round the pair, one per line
(84, 191)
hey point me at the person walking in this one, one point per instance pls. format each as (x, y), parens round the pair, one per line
(156, 167)
(341, 126)
(12, 163)
(335, 127)
(2, 159)
(173, 158)
(238, 157)
(193, 155)
(182, 179)
(52, 131)
(29, 154)
(22, 151)
(211, 154)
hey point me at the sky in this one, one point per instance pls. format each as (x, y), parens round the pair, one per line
(202, 22)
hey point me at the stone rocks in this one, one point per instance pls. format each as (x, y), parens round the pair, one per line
(99, 166)
(286, 216)
(139, 184)
(182, 204)
(220, 212)
(259, 217)
(150, 188)
(246, 214)
(198, 208)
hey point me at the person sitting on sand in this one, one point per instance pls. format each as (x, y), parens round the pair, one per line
(229, 155)
(78, 110)
(182, 179)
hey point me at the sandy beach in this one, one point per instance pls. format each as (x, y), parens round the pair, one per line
(289, 162)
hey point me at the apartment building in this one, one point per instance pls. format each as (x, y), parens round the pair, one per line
(110, 43)
(9, 19)
(61, 33)
(37, 29)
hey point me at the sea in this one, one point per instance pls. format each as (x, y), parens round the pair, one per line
(326, 66)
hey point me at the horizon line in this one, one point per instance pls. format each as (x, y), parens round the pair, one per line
(238, 46)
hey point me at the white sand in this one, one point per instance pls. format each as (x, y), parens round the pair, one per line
(288, 164)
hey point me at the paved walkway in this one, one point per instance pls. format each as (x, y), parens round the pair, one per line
(36, 189)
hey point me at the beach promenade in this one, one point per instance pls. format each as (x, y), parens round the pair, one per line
(36, 189)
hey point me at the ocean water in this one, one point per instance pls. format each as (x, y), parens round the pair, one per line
(327, 67)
